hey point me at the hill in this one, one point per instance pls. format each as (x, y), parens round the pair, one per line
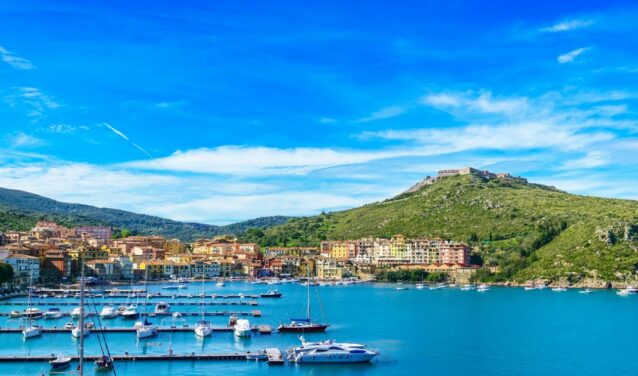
(20, 210)
(525, 230)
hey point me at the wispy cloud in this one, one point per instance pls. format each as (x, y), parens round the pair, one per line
(567, 25)
(22, 139)
(63, 128)
(572, 55)
(484, 102)
(35, 101)
(125, 137)
(384, 113)
(15, 60)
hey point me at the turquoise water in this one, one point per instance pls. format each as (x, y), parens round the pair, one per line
(505, 331)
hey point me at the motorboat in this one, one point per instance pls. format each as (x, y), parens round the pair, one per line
(529, 288)
(78, 331)
(585, 291)
(32, 313)
(108, 312)
(31, 331)
(242, 328)
(146, 330)
(15, 314)
(559, 289)
(468, 287)
(52, 313)
(482, 288)
(420, 286)
(162, 308)
(220, 284)
(76, 312)
(271, 294)
(69, 325)
(203, 329)
(171, 286)
(60, 362)
(130, 312)
(330, 352)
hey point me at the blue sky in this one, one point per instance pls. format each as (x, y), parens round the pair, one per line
(218, 112)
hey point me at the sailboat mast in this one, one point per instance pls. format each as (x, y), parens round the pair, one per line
(203, 295)
(81, 322)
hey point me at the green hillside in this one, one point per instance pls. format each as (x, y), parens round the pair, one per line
(20, 210)
(528, 230)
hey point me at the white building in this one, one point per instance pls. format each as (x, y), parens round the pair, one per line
(25, 268)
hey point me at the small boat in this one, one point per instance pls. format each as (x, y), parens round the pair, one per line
(171, 286)
(203, 329)
(420, 286)
(69, 325)
(162, 308)
(540, 286)
(31, 331)
(105, 363)
(146, 330)
(15, 314)
(108, 312)
(330, 352)
(401, 288)
(271, 294)
(130, 312)
(75, 313)
(60, 362)
(529, 288)
(623, 292)
(182, 286)
(32, 313)
(220, 284)
(77, 332)
(468, 287)
(483, 288)
(242, 328)
(585, 291)
(52, 313)
(559, 289)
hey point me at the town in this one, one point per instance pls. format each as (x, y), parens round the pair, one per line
(49, 253)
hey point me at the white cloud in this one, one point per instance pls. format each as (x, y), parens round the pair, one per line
(246, 160)
(63, 128)
(572, 55)
(22, 139)
(16, 61)
(384, 113)
(592, 159)
(36, 102)
(484, 102)
(567, 25)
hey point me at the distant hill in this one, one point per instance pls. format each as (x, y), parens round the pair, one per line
(20, 210)
(526, 230)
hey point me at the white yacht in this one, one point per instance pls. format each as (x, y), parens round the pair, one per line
(330, 352)
(468, 287)
(75, 313)
(77, 332)
(146, 330)
(53, 313)
(220, 284)
(242, 328)
(130, 312)
(32, 313)
(203, 329)
(483, 287)
(420, 286)
(559, 289)
(585, 291)
(162, 308)
(31, 331)
(108, 312)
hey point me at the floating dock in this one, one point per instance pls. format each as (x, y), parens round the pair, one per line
(133, 357)
(255, 313)
(141, 294)
(104, 302)
(274, 356)
(166, 329)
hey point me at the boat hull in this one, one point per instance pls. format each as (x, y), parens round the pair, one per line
(333, 358)
(302, 329)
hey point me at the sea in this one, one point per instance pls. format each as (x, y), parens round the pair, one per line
(503, 331)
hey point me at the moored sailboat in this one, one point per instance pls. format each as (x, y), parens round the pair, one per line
(304, 324)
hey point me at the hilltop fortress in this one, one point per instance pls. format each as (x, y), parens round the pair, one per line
(483, 174)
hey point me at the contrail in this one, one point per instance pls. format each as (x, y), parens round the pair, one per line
(119, 133)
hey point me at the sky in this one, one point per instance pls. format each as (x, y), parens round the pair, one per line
(218, 112)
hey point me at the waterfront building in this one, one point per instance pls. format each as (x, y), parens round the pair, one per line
(105, 269)
(25, 268)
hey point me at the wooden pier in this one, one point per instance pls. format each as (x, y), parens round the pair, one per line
(132, 357)
(254, 313)
(161, 329)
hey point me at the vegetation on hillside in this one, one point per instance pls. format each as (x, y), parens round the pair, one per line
(523, 230)
(20, 210)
